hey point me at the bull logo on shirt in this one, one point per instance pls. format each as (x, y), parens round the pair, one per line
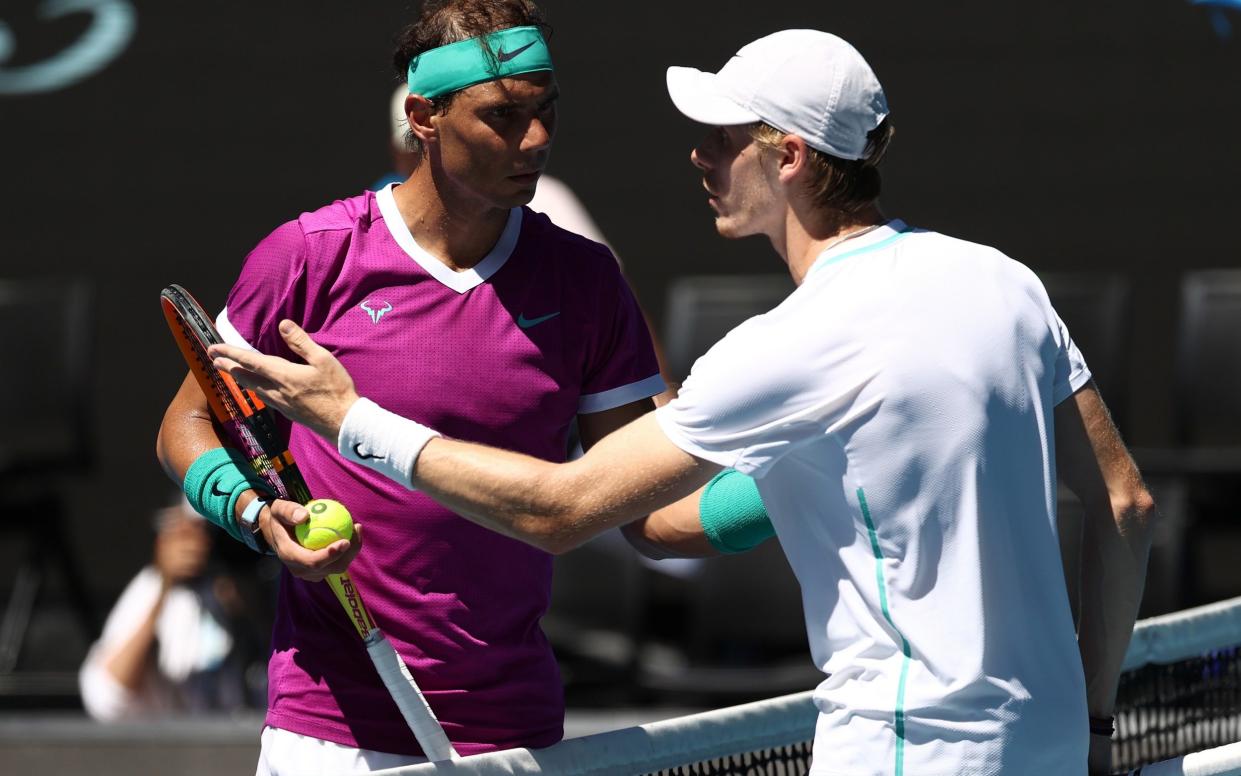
(375, 309)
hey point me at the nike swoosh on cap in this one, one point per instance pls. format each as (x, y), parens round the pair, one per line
(526, 323)
(505, 56)
(357, 450)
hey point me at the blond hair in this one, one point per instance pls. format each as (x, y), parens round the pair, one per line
(846, 185)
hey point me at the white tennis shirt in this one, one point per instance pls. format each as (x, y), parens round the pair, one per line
(897, 412)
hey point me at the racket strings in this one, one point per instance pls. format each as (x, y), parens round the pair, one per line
(255, 423)
(260, 423)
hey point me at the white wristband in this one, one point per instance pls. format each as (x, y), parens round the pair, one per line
(383, 441)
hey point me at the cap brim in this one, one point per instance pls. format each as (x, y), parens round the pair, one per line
(698, 96)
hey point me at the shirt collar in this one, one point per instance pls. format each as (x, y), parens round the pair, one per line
(865, 243)
(458, 281)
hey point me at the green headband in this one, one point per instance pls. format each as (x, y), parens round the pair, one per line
(453, 67)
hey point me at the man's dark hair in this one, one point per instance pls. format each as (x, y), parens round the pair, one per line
(449, 21)
(846, 185)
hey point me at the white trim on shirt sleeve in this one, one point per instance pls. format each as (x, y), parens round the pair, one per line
(664, 416)
(1074, 384)
(620, 396)
(229, 333)
(1078, 372)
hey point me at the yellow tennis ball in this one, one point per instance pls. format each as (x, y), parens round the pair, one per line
(329, 521)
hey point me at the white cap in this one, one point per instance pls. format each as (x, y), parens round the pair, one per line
(803, 82)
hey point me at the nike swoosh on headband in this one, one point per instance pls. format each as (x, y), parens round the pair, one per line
(505, 56)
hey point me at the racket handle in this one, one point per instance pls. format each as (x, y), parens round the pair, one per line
(351, 600)
(409, 699)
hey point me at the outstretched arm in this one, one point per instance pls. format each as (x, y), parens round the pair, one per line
(556, 507)
(672, 532)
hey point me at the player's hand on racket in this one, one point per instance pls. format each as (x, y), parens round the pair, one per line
(316, 394)
(277, 522)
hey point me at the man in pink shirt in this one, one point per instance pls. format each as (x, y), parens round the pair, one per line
(449, 301)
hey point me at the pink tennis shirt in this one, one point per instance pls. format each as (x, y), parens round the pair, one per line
(505, 354)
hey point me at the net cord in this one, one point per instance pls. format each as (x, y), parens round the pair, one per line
(1221, 761)
(1172, 637)
(652, 747)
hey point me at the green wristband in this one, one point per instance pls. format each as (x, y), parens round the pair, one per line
(215, 481)
(732, 513)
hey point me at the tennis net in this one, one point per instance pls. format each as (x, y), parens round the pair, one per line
(1179, 707)
(1181, 688)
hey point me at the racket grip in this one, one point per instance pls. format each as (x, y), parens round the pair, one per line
(351, 600)
(409, 699)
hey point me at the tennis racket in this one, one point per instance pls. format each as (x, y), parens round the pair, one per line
(251, 425)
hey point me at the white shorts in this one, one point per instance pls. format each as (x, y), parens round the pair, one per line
(291, 754)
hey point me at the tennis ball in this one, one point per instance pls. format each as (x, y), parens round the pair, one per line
(329, 521)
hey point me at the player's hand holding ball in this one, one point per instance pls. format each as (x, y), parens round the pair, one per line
(328, 523)
(313, 541)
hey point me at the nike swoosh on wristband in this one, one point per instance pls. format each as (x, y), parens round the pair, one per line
(505, 56)
(526, 323)
(357, 450)
(215, 490)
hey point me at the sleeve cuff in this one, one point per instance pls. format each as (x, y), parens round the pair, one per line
(620, 396)
(725, 458)
(1071, 386)
(229, 333)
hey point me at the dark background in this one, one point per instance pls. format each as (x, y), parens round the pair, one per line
(1069, 135)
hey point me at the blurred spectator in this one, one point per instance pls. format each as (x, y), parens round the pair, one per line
(170, 644)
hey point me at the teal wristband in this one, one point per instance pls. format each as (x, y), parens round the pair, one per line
(732, 513)
(215, 481)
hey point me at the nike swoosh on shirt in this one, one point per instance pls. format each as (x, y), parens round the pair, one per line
(505, 56)
(526, 323)
(357, 450)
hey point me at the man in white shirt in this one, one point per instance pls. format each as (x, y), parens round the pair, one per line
(905, 412)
